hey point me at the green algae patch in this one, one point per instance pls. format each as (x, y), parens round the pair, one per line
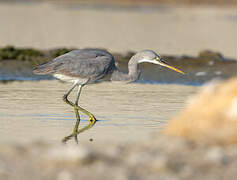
(22, 54)
(34, 57)
(28, 54)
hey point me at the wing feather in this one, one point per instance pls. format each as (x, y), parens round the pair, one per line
(85, 63)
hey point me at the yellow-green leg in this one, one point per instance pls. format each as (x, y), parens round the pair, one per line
(75, 129)
(76, 109)
(65, 99)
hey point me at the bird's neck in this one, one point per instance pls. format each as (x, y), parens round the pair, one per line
(133, 69)
(133, 72)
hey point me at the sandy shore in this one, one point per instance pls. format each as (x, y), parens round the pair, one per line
(128, 112)
(161, 158)
(168, 30)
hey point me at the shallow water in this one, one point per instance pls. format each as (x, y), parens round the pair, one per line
(32, 110)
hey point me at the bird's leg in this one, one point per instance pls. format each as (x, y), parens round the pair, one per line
(91, 116)
(65, 99)
(77, 107)
(75, 130)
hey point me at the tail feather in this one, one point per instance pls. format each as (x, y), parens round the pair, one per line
(42, 69)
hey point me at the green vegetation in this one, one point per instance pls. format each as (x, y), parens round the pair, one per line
(24, 54)
(33, 57)
(29, 54)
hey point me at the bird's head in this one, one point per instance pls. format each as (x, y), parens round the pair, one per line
(151, 57)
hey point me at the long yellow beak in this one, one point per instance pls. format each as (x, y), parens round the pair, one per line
(173, 68)
(162, 63)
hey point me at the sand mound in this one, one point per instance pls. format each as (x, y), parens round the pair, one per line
(211, 115)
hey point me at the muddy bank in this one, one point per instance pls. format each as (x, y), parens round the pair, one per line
(17, 64)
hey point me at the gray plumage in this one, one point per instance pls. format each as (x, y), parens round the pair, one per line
(89, 64)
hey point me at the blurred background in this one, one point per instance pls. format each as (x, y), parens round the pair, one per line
(169, 27)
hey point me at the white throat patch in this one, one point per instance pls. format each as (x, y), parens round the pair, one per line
(148, 60)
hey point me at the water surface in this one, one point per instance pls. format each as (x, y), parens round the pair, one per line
(32, 110)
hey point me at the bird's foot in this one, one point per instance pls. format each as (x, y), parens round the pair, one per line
(74, 134)
(92, 120)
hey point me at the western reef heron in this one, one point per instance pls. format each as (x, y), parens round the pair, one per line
(84, 66)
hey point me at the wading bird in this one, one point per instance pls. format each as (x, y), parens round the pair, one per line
(85, 66)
